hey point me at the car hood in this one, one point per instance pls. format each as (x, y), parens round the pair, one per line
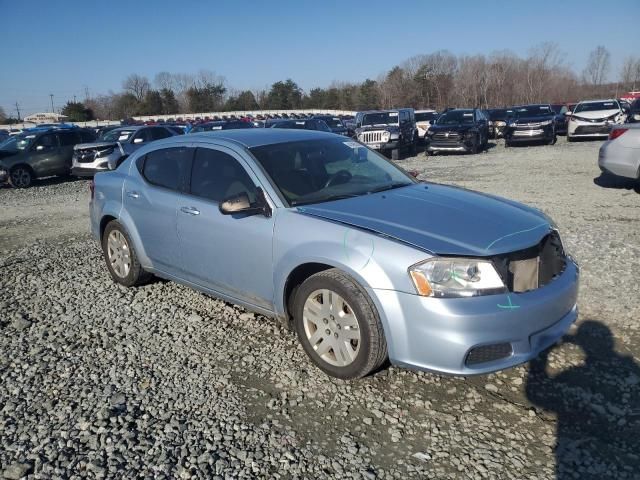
(597, 113)
(451, 128)
(441, 219)
(94, 145)
(366, 128)
(538, 119)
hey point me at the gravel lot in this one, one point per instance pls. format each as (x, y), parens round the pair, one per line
(164, 382)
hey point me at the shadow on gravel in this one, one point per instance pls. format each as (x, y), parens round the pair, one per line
(597, 406)
(606, 180)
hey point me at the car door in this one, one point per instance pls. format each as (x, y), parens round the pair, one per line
(230, 254)
(66, 140)
(152, 193)
(44, 157)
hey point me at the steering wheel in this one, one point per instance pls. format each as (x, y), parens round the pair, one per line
(344, 175)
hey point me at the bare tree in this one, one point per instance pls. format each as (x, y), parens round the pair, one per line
(597, 67)
(164, 81)
(630, 73)
(3, 115)
(137, 85)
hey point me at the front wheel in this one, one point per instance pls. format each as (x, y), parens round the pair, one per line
(553, 140)
(21, 177)
(395, 154)
(338, 325)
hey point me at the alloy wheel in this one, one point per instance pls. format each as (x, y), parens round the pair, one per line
(119, 253)
(20, 177)
(331, 327)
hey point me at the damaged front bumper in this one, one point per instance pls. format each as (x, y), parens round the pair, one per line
(477, 335)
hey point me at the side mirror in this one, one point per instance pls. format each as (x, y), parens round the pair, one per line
(413, 173)
(240, 204)
(568, 113)
(138, 140)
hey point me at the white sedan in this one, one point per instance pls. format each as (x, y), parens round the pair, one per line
(620, 155)
(594, 118)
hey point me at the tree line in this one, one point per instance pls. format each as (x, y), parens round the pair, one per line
(436, 80)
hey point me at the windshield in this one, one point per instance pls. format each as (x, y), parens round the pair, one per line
(380, 118)
(595, 106)
(118, 135)
(23, 141)
(425, 116)
(533, 111)
(456, 117)
(9, 145)
(332, 122)
(495, 115)
(315, 171)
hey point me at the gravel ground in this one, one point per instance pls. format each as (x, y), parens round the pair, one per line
(164, 382)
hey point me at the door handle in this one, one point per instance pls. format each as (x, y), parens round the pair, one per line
(190, 210)
(133, 194)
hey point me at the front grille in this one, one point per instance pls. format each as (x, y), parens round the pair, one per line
(88, 155)
(377, 136)
(551, 262)
(443, 139)
(603, 129)
(488, 353)
(85, 156)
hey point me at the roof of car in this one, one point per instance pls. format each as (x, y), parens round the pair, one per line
(255, 137)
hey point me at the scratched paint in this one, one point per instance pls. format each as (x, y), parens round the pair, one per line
(516, 233)
(510, 306)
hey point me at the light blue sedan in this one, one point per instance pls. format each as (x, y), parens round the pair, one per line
(364, 262)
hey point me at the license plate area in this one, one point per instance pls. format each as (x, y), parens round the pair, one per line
(525, 274)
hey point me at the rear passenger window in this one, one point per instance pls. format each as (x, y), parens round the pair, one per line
(159, 133)
(68, 138)
(87, 137)
(217, 176)
(167, 167)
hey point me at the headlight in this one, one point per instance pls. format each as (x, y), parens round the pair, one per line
(456, 277)
(394, 136)
(546, 122)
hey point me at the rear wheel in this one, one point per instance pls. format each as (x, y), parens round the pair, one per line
(338, 325)
(21, 176)
(121, 258)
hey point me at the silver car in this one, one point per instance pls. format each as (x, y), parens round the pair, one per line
(364, 262)
(116, 145)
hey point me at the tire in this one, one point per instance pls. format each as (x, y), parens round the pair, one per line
(21, 176)
(476, 145)
(395, 154)
(569, 139)
(413, 148)
(506, 144)
(356, 357)
(553, 140)
(122, 248)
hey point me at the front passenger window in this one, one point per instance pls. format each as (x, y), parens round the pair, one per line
(217, 176)
(166, 167)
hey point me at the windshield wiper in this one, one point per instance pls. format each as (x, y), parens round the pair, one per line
(390, 186)
(330, 198)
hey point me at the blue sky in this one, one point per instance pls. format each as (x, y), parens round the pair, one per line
(61, 47)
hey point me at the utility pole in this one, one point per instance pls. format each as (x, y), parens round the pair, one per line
(18, 110)
(74, 99)
(51, 95)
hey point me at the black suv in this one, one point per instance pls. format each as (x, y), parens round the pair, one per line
(41, 152)
(531, 123)
(387, 130)
(459, 130)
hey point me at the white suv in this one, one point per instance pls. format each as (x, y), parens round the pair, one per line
(594, 118)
